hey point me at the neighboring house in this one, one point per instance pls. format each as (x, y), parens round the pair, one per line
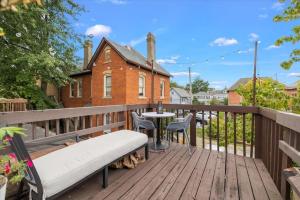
(180, 96)
(117, 74)
(206, 97)
(292, 90)
(233, 97)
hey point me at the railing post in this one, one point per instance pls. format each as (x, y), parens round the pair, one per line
(258, 136)
(193, 129)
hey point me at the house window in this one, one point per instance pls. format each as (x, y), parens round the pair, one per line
(141, 86)
(72, 89)
(79, 87)
(162, 89)
(107, 54)
(107, 85)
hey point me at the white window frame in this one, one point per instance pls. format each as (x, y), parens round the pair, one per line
(162, 89)
(72, 89)
(79, 90)
(105, 86)
(144, 86)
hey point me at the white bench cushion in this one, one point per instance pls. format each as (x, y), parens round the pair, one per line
(62, 168)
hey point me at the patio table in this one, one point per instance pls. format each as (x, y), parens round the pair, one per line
(159, 145)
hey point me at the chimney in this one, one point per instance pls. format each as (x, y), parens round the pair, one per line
(88, 47)
(150, 47)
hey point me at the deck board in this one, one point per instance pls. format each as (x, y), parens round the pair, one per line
(175, 174)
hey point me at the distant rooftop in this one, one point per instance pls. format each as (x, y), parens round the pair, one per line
(181, 92)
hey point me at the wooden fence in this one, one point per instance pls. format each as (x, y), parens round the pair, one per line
(12, 105)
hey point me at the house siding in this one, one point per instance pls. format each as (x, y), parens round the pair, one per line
(234, 98)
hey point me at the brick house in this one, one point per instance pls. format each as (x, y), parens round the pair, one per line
(117, 74)
(233, 97)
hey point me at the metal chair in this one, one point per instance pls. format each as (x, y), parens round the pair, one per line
(144, 124)
(181, 125)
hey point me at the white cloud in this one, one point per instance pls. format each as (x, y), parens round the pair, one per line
(295, 74)
(277, 6)
(253, 37)
(137, 41)
(272, 47)
(141, 39)
(222, 41)
(263, 16)
(217, 82)
(184, 74)
(98, 30)
(115, 2)
(237, 63)
(245, 51)
(171, 60)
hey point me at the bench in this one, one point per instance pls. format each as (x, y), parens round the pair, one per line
(54, 173)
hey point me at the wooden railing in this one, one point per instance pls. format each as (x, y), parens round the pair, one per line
(248, 131)
(278, 144)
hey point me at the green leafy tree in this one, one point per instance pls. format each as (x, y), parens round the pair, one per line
(296, 100)
(291, 13)
(39, 44)
(269, 93)
(198, 85)
(174, 84)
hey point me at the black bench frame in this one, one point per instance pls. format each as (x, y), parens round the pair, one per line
(33, 178)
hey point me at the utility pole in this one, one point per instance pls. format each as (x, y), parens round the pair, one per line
(190, 81)
(254, 74)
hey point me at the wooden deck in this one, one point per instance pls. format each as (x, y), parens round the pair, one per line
(176, 175)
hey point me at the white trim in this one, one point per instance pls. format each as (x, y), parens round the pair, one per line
(70, 89)
(104, 85)
(144, 85)
(163, 89)
(79, 81)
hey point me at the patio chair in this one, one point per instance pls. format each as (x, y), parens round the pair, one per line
(180, 125)
(140, 123)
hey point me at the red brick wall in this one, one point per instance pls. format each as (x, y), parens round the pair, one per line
(132, 80)
(234, 98)
(125, 79)
(117, 66)
(69, 102)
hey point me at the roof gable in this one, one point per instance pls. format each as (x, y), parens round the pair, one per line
(181, 92)
(129, 55)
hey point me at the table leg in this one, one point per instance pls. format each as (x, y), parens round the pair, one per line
(158, 141)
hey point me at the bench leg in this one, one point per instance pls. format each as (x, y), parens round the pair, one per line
(147, 151)
(105, 177)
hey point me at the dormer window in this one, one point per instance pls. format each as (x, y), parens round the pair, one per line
(107, 51)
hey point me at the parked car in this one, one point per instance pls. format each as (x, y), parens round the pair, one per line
(205, 118)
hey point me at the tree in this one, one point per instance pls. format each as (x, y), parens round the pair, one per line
(269, 93)
(296, 100)
(174, 84)
(291, 13)
(198, 85)
(39, 44)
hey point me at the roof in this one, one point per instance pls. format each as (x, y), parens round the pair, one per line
(242, 81)
(81, 73)
(130, 55)
(181, 92)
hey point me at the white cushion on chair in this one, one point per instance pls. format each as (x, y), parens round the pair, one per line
(62, 168)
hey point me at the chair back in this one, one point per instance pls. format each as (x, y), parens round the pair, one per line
(187, 120)
(135, 119)
(31, 175)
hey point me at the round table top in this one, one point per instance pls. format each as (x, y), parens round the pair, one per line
(155, 115)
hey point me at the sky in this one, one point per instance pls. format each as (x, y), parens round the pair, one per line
(215, 38)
